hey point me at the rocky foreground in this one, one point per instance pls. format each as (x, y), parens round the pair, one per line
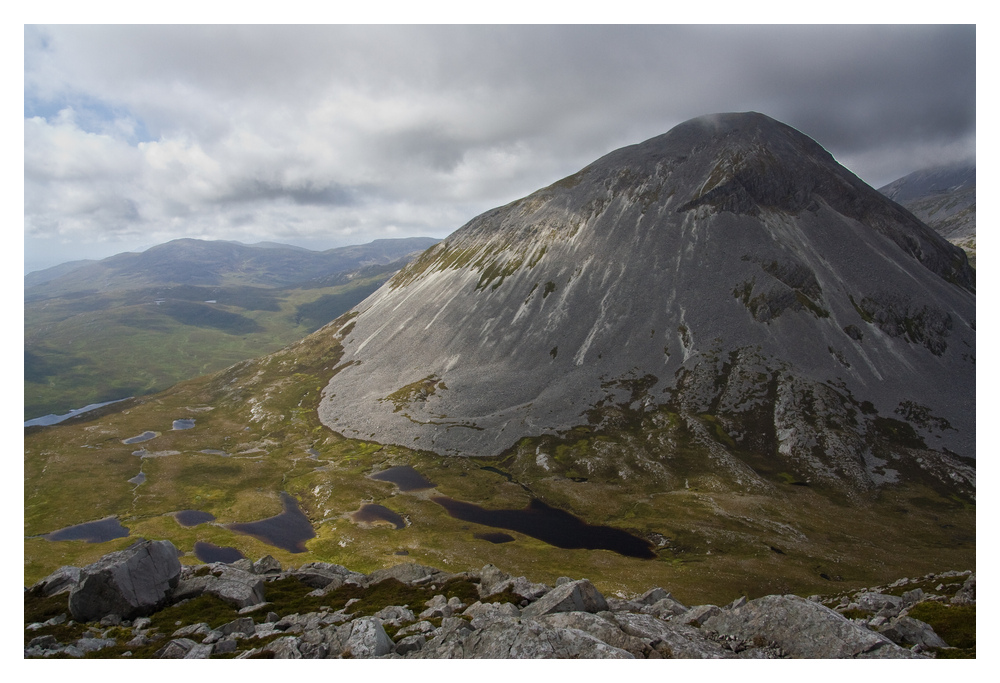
(141, 602)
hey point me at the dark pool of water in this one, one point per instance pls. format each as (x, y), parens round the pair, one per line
(138, 479)
(494, 537)
(551, 525)
(289, 531)
(92, 532)
(209, 552)
(405, 477)
(372, 513)
(184, 424)
(191, 518)
(210, 451)
(145, 436)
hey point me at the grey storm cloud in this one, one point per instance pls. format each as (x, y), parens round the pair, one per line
(332, 135)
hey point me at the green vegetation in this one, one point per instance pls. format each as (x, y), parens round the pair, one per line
(91, 348)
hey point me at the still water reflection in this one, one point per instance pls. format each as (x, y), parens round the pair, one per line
(209, 552)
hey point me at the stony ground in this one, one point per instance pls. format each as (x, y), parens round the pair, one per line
(142, 603)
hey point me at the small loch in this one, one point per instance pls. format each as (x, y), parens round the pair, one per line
(405, 477)
(209, 552)
(374, 514)
(183, 424)
(551, 525)
(289, 531)
(92, 532)
(190, 518)
(494, 537)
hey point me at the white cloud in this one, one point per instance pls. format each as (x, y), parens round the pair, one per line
(346, 133)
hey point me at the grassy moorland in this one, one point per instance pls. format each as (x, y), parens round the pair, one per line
(90, 347)
(712, 541)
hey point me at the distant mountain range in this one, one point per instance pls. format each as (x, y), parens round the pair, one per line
(214, 263)
(943, 197)
(133, 323)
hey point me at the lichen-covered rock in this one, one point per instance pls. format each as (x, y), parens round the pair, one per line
(670, 640)
(130, 583)
(803, 629)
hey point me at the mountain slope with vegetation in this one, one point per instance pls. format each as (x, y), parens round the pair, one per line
(134, 324)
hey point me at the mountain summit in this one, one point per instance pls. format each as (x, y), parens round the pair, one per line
(727, 287)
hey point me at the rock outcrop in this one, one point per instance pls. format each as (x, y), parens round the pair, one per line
(128, 583)
(571, 620)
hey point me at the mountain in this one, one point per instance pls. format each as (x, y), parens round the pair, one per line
(215, 263)
(726, 286)
(138, 322)
(943, 197)
(714, 362)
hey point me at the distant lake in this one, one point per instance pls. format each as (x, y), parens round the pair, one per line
(191, 518)
(289, 531)
(209, 552)
(405, 477)
(49, 420)
(551, 525)
(138, 479)
(371, 513)
(92, 532)
(183, 424)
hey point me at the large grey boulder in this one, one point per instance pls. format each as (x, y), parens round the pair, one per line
(576, 596)
(803, 629)
(130, 583)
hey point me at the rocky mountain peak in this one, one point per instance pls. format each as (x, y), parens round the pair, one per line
(729, 268)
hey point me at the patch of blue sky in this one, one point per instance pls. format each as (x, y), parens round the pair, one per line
(91, 115)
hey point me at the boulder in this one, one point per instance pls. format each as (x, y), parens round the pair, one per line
(665, 608)
(696, 616)
(576, 596)
(325, 576)
(367, 639)
(237, 587)
(876, 602)
(267, 565)
(409, 573)
(482, 613)
(910, 631)
(130, 583)
(966, 595)
(802, 629)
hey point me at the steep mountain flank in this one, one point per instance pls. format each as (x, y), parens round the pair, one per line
(943, 197)
(726, 287)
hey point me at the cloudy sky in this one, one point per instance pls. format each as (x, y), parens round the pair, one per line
(336, 135)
